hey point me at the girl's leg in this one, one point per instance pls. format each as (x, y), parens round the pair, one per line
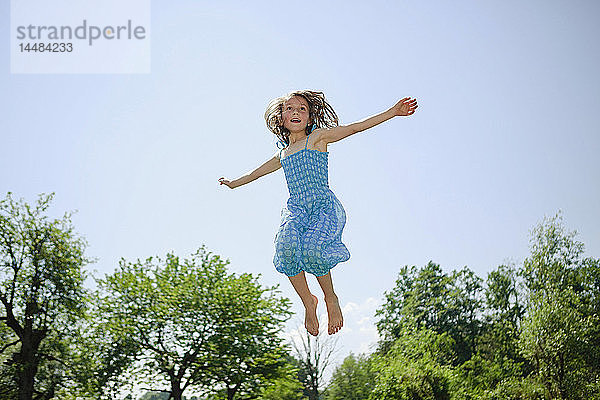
(310, 303)
(334, 312)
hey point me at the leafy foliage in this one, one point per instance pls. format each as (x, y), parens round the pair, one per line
(42, 296)
(192, 324)
(416, 366)
(431, 299)
(531, 332)
(352, 380)
(527, 332)
(560, 332)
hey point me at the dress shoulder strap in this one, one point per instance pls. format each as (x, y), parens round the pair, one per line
(306, 142)
(281, 146)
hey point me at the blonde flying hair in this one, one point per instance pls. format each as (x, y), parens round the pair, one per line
(321, 113)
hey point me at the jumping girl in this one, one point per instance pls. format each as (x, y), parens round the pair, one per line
(310, 234)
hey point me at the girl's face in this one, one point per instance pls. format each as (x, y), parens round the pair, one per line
(295, 114)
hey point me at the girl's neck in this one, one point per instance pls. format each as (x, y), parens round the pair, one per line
(297, 136)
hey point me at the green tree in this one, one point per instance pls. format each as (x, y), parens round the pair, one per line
(42, 295)
(464, 312)
(478, 376)
(100, 358)
(494, 342)
(505, 308)
(429, 298)
(352, 380)
(516, 389)
(287, 387)
(418, 366)
(194, 325)
(420, 298)
(560, 334)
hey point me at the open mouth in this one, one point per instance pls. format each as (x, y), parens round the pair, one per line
(296, 120)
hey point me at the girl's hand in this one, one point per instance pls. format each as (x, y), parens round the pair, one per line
(405, 107)
(224, 181)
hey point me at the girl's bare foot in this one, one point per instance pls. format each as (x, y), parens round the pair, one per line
(334, 312)
(310, 318)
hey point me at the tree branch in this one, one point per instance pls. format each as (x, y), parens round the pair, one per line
(11, 321)
(8, 345)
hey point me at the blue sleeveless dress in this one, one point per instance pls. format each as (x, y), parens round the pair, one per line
(310, 234)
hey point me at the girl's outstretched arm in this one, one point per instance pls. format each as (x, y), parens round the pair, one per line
(269, 166)
(404, 107)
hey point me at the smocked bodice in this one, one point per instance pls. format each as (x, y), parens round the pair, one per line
(306, 174)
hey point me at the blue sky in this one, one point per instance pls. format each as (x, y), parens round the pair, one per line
(507, 131)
